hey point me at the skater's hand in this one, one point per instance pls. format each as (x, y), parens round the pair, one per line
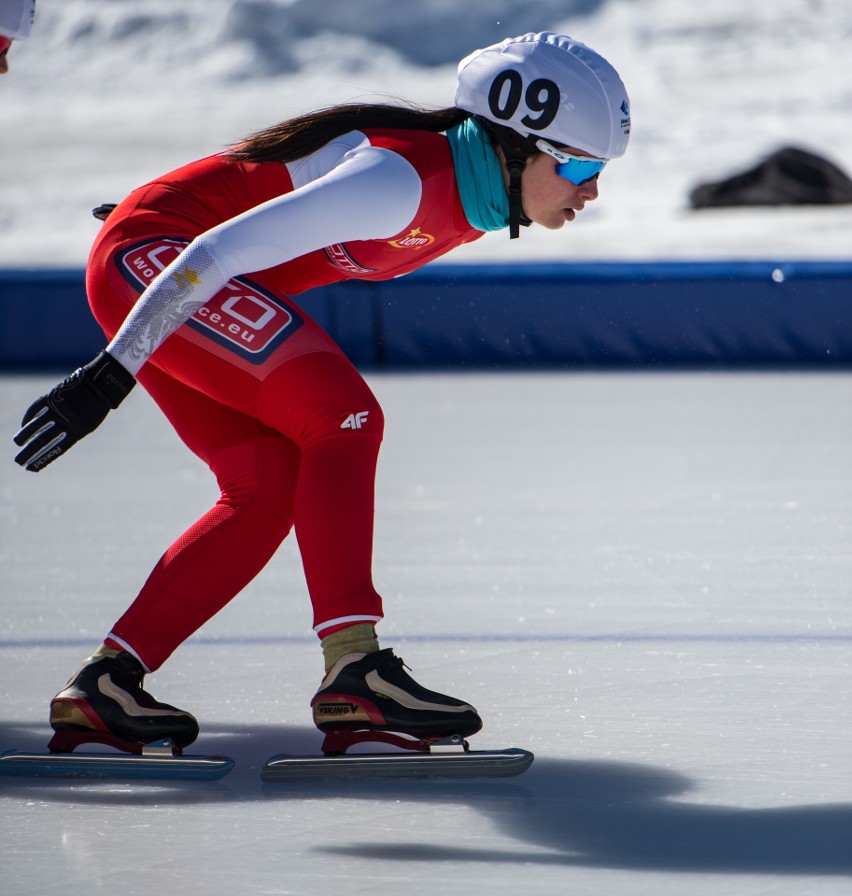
(71, 410)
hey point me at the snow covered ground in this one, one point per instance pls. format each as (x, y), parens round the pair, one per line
(109, 93)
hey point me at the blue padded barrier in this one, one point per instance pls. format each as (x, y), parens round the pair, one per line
(707, 314)
(446, 316)
(45, 321)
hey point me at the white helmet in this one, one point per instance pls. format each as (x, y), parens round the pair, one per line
(549, 86)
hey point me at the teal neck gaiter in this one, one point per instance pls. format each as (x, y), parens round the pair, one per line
(480, 177)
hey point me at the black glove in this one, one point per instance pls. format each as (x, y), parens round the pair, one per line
(71, 410)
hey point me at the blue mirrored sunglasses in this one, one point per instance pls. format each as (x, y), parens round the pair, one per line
(577, 169)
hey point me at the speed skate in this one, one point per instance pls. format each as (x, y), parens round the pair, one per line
(445, 757)
(369, 698)
(161, 760)
(366, 698)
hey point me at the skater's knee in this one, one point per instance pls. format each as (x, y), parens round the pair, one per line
(361, 414)
(354, 413)
(320, 396)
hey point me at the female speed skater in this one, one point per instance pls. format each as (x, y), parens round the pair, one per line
(190, 278)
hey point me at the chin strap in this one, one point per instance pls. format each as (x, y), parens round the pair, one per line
(517, 218)
(517, 148)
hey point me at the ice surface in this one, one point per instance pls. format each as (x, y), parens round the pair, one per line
(644, 579)
(106, 95)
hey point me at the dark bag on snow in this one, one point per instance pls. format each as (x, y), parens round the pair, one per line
(789, 176)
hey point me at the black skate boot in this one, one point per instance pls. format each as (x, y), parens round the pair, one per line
(372, 692)
(104, 703)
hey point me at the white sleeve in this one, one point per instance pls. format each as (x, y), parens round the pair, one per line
(371, 193)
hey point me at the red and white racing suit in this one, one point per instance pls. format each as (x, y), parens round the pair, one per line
(190, 278)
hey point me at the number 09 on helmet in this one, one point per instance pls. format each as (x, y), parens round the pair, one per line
(551, 87)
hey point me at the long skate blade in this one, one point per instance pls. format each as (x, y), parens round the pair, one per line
(469, 764)
(120, 765)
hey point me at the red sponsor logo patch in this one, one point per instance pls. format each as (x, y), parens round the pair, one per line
(241, 316)
(340, 258)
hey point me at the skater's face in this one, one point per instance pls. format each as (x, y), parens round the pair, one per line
(551, 200)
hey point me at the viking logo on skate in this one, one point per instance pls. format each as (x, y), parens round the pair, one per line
(242, 316)
(338, 709)
(416, 239)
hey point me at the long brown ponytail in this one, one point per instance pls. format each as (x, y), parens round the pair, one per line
(297, 137)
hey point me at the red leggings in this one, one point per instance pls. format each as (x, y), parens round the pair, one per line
(292, 435)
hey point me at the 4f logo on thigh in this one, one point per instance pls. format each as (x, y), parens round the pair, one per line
(355, 421)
